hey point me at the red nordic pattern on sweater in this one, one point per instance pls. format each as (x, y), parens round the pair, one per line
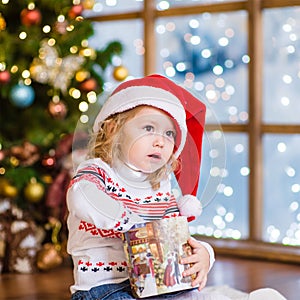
(89, 177)
(93, 230)
(149, 207)
(111, 266)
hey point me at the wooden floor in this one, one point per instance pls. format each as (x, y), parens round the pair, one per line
(242, 274)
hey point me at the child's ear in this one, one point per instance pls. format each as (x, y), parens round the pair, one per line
(110, 126)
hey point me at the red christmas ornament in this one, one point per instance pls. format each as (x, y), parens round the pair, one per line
(49, 161)
(2, 155)
(88, 85)
(76, 11)
(30, 17)
(4, 77)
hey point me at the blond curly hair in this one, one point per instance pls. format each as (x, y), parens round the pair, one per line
(105, 145)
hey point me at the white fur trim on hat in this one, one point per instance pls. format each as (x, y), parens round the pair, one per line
(133, 96)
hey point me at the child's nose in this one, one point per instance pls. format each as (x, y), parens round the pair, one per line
(158, 140)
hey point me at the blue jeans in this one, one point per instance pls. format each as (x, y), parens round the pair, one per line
(118, 291)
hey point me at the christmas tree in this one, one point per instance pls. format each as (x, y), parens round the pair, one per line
(48, 76)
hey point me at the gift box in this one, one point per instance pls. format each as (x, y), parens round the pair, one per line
(153, 250)
(18, 242)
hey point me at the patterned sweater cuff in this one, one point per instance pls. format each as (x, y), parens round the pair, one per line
(127, 220)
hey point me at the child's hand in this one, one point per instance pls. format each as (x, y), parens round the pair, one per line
(199, 261)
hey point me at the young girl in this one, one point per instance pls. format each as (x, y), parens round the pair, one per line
(139, 135)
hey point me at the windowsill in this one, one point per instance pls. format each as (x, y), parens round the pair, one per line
(254, 249)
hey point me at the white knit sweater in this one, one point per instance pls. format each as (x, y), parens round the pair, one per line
(102, 203)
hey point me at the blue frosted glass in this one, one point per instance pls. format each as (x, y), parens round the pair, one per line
(223, 188)
(282, 189)
(130, 34)
(208, 53)
(281, 65)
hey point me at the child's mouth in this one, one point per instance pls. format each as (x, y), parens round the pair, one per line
(155, 156)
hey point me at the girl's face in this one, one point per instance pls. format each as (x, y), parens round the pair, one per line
(148, 140)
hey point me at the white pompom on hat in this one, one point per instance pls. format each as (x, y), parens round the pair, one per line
(187, 111)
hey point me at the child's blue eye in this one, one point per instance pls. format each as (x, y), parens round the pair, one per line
(171, 134)
(149, 128)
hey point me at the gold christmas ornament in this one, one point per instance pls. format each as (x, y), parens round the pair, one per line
(47, 179)
(49, 257)
(34, 191)
(3, 183)
(120, 73)
(14, 161)
(9, 190)
(2, 23)
(82, 75)
(88, 4)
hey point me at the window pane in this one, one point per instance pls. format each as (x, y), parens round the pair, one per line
(281, 65)
(130, 34)
(113, 7)
(223, 188)
(282, 189)
(163, 4)
(208, 53)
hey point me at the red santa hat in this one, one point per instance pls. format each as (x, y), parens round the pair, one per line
(187, 111)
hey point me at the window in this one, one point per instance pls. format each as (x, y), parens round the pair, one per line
(242, 59)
